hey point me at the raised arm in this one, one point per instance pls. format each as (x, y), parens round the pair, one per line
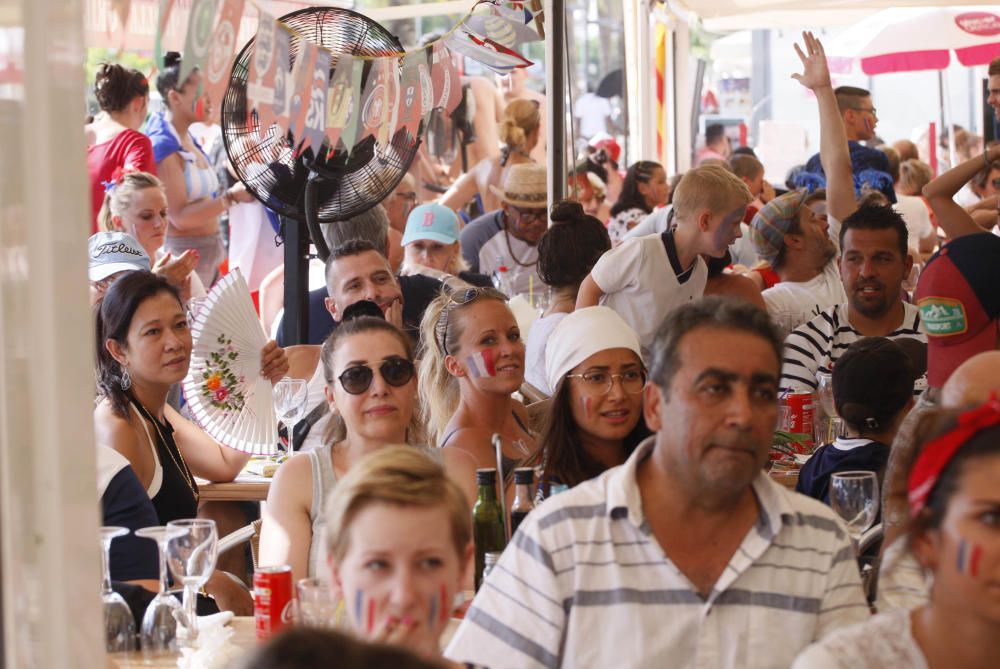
(940, 193)
(834, 152)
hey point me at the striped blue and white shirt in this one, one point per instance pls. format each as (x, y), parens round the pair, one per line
(584, 583)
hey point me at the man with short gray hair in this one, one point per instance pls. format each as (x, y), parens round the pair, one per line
(688, 554)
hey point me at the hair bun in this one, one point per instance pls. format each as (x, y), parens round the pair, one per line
(566, 210)
(362, 308)
(171, 59)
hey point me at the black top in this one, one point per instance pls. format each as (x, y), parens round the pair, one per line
(418, 292)
(814, 479)
(126, 504)
(175, 499)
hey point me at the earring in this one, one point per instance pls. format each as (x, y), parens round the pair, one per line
(125, 381)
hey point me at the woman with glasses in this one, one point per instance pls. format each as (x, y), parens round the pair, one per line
(473, 359)
(371, 388)
(593, 363)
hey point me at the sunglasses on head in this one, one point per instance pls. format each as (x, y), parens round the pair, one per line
(358, 379)
(460, 298)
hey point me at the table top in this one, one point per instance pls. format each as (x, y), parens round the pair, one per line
(244, 637)
(246, 488)
(786, 477)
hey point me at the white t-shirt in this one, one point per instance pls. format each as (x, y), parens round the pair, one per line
(886, 640)
(640, 285)
(534, 357)
(519, 257)
(917, 219)
(593, 112)
(792, 303)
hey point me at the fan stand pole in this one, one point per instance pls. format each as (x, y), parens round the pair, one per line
(295, 325)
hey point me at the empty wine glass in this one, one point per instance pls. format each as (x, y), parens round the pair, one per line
(854, 497)
(824, 393)
(290, 404)
(159, 624)
(119, 625)
(317, 603)
(191, 556)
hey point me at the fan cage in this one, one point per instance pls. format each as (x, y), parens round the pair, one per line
(267, 165)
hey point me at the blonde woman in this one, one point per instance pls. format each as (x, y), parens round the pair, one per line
(519, 132)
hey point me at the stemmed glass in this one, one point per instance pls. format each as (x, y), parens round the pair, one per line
(290, 404)
(159, 625)
(854, 497)
(824, 392)
(191, 556)
(119, 625)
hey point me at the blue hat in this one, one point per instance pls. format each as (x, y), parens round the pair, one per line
(431, 221)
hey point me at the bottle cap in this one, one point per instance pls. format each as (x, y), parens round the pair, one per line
(490, 558)
(524, 475)
(486, 476)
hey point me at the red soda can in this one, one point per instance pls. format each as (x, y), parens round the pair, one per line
(272, 600)
(802, 413)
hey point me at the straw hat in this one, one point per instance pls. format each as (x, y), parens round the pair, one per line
(525, 186)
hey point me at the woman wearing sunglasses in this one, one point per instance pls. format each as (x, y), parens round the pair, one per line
(595, 420)
(473, 359)
(371, 388)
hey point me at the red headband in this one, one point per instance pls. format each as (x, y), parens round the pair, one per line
(936, 455)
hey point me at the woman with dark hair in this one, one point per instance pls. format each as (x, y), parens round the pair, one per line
(144, 348)
(114, 143)
(644, 190)
(954, 519)
(195, 199)
(566, 254)
(593, 363)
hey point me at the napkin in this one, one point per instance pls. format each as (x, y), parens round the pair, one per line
(214, 648)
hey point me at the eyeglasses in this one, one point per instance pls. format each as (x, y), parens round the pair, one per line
(599, 382)
(526, 216)
(358, 379)
(459, 298)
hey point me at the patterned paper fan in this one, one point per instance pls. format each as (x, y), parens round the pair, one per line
(224, 388)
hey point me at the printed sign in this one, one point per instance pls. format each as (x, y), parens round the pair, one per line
(943, 316)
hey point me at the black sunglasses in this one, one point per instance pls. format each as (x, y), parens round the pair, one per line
(358, 379)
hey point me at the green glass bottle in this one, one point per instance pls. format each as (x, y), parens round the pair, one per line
(487, 521)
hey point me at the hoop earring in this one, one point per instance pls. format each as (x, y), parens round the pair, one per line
(125, 381)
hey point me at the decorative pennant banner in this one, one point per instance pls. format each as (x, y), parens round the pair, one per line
(199, 35)
(490, 53)
(298, 98)
(122, 8)
(260, 82)
(374, 107)
(503, 28)
(220, 55)
(390, 105)
(340, 100)
(411, 105)
(352, 125)
(315, 126)
(282, 45)
(445, 80)
(166, 6)
(426, 84)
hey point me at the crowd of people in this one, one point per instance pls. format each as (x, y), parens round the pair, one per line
(636, 361)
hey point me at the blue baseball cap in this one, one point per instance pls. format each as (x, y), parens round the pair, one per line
(431, 221)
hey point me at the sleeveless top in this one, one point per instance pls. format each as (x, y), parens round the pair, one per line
(323, 480)
(172, 498)
(506, 464)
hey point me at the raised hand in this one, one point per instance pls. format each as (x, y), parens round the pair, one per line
(815, 71)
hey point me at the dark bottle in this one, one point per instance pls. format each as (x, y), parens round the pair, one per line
(524, 484)
(487, 521)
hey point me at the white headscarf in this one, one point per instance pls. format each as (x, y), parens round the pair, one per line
(582, 334)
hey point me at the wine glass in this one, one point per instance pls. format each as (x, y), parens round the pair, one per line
(317, 604)
(824, 393)
(290, 404)
(159, 625)
(854, 497)
(191, 556)
(119, 625)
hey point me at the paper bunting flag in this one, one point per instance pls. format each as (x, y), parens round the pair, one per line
(166, 6)
(509, 30)
(260, 82)
(282, 83)
(490, 53)
(340, 101)
(220, 53)
(199, 36)
(411, 104)
(390, 106)
(298, 95)
(375, 110)
(426, 85)
(445, 80)
(122, 8)
(315, 123)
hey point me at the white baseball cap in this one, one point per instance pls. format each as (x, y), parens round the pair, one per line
(113, 252)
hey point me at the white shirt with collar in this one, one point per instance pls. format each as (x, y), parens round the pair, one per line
(584, 583)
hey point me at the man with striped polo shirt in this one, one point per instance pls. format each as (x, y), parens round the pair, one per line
(687, 555)
(874, 261)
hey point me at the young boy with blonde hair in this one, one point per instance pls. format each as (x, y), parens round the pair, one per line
(644, 278)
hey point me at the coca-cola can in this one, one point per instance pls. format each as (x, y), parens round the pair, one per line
(273, 600)
(802, 413)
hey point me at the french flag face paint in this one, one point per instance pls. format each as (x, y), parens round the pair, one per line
(445, 604)
(969, 556)
(481, 364)
(371, 615)
(587, 402)
(432, 614)
(359, 598)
